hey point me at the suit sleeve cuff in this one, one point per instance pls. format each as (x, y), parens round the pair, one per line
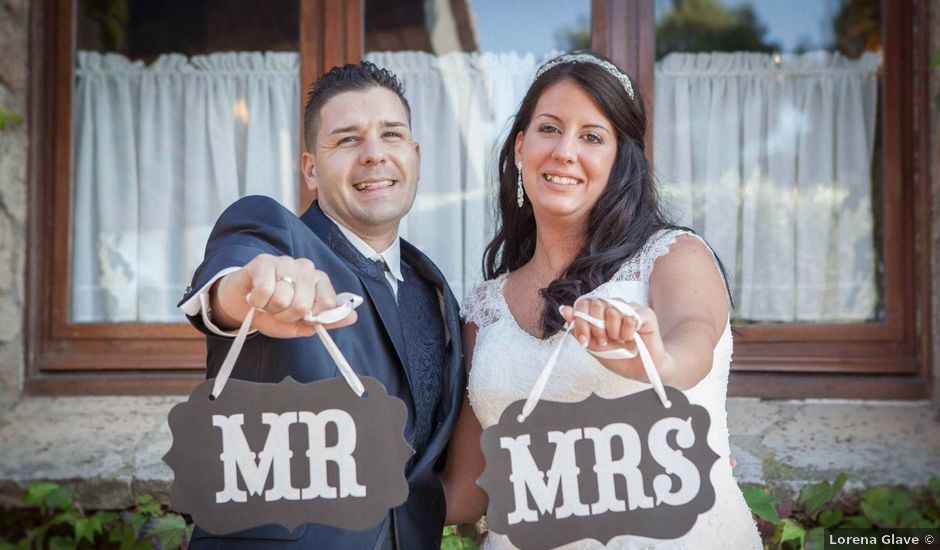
(199, 304)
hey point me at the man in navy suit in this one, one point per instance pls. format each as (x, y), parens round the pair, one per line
(362, 163)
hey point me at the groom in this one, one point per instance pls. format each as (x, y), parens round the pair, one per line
(362, 163)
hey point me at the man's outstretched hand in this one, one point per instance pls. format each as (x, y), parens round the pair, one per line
(282, 290)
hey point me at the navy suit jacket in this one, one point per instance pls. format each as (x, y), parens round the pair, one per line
(374, 345)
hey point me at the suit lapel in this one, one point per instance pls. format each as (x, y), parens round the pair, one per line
(381, 296)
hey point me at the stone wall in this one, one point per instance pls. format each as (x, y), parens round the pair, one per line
(109, 448)
(14, 77)
(934, 26)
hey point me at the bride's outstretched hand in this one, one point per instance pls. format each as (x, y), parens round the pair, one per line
(619, 332)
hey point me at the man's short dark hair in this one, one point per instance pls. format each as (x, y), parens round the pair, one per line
(347, 78)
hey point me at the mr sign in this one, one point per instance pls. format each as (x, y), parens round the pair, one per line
(288, 453)
(598, 469)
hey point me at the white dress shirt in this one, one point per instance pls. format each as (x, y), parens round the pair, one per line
(199, 302)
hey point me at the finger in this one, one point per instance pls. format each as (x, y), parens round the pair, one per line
(567, 313)
(301, 301)
(263, 281)
(344, 322)
(582, 330)
(324, 295)
(627, 328)
(613, 318)
(648, 321)
(285, 278)
(597, 310)
(281, 298)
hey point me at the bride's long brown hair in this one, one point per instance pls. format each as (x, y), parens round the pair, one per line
(626, 214)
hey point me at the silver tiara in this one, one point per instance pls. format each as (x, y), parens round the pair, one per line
(587, 58)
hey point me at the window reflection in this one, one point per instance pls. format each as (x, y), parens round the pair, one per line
(466, 66)
(180, 107)
(767, 143)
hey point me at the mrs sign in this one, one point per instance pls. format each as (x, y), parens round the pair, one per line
(598, 469)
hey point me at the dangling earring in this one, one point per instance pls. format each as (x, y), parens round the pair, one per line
(520, 198)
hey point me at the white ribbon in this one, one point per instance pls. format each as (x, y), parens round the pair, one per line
(347, 303)
(536, 393)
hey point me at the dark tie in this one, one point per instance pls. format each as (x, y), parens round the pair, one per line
(378, 270)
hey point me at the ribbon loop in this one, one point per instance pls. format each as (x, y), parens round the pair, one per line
(647, 360)
(347, 303)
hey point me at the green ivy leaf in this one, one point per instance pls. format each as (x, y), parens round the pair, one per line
(884, 505)
(119, 532)
(856, 522)
(816, 539)
(60, 498)
(36, 494)
(934, 484)
(815, 496)
(792, 531)
(935, 60)
(914, 519)
(761, 504)
(932, 513)
(39, 535)
(68, 517)
(87, 528)
(104, 517)
(456, 542)
(137, 522)
(61, 543)
(147, 505)
(830, 517)
(126, 536)
(8, 118)
(169, 530)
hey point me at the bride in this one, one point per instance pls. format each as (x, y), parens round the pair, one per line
(579, 215)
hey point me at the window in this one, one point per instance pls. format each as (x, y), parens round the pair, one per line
(150, 119)
(792, 148)
(466, 65)
(168, 129)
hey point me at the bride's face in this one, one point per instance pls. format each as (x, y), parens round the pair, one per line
(567, 152)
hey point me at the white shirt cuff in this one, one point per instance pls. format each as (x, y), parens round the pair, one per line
(199, 303)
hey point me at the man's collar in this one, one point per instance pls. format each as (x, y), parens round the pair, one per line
(391, 256)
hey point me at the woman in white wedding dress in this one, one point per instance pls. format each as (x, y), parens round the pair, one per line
(578, 216)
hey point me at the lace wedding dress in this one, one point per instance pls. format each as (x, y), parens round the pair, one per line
(507, 360)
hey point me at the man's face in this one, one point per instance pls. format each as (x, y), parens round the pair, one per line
(364, 165)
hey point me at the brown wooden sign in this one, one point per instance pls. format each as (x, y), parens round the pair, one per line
(288, 454)
(598, 469)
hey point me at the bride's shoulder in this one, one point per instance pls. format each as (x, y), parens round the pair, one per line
(639, 266)
(484, 303)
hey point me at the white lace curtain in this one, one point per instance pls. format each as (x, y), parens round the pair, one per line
(461, 108)
(772, 164)
(159, 152)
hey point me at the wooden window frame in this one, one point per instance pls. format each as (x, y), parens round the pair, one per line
(890, 359)
(117, 358)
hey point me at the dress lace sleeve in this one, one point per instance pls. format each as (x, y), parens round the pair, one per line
(482, 305)
(640, 266)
